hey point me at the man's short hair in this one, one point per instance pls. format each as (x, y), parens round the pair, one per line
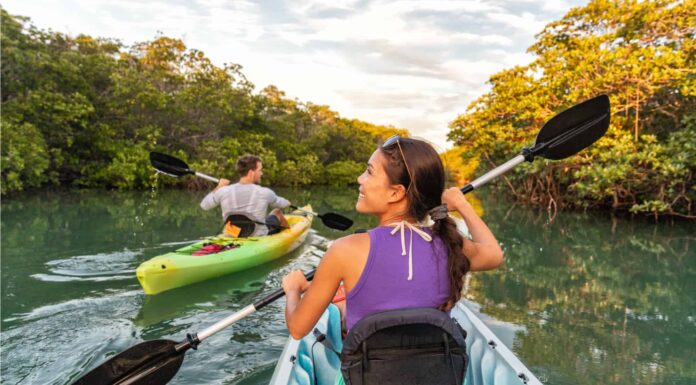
(246, 163)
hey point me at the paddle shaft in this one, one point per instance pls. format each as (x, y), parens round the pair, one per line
(494, 173)
(305, 211)
(246, 311)
(208, 177)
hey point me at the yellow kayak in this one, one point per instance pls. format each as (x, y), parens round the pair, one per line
(182, 267)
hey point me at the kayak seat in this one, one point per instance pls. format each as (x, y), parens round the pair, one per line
(304, 364)
(244, 224)
(316, 363)
(405, 347)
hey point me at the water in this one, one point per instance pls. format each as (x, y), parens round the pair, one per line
(584, 299)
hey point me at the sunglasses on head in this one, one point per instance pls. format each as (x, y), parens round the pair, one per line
(390, 142)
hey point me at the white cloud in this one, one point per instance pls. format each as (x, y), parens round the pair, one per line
(526, 22)
(387, 22)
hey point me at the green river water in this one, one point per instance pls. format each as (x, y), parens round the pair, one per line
(582, 299)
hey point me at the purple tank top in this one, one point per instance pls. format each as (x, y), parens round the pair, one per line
(384, 284)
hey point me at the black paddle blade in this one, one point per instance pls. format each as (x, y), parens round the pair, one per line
(336, 221)
(169, 165)
(147, 363)
(573, 129)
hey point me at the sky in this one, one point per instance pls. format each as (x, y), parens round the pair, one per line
(410, 64)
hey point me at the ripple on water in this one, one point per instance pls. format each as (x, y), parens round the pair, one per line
(100, 267)
(74, 305)
(57, 343)
(67, 278)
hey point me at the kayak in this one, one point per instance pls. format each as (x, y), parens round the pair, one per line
(186, 265)
(305, 362)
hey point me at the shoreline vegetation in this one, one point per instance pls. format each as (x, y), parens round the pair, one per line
(85, 112)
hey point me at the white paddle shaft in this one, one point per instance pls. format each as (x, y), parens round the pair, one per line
(494, 173)
(208, 177)
(226, 322)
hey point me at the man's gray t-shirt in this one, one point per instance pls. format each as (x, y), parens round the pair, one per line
(249, 199)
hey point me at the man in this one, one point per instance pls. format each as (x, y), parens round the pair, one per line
(248, 198)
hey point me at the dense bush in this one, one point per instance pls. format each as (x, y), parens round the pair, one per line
(343, 172)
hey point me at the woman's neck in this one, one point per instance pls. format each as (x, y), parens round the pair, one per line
(389, 218)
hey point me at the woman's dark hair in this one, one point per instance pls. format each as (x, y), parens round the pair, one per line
(424, 193)
(245, 163)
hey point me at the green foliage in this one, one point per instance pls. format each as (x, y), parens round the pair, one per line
(343, 172)
(24, 156)
(94, 109)
(642, 54)
(302, 171)
(124, 171)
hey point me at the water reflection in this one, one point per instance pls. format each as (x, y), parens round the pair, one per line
(603, 301)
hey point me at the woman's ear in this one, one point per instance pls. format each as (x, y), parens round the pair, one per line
(396, 193)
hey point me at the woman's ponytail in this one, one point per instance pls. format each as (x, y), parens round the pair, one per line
(457, 262)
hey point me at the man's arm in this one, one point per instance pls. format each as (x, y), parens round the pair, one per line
(211, 200)
(275, 200)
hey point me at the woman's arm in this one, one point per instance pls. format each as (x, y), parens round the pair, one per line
(483, 250)
(303, 312)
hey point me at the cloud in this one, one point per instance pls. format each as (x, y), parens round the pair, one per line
(526, 22)
(391, 22)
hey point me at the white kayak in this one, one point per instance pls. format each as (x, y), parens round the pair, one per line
(305, 362)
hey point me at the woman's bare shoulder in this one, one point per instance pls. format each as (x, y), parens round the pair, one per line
(351, 241)
(350, 245)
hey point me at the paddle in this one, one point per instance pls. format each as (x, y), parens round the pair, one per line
(333, 220)
(156, 362)
(564, 135)
(169, 165)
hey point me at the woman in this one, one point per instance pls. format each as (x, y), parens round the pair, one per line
(400, 263)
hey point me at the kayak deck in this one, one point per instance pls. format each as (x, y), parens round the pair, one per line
(182, 267)
(490, 361)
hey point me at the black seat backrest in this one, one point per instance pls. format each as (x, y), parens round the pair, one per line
(405, 347)
(246, 225)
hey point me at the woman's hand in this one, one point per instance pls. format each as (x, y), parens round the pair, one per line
(483, 250)
(295, 282)
(454, 199)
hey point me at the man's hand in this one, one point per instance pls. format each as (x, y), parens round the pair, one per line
(222, 183)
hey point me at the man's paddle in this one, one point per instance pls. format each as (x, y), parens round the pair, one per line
(169, 165)
(333, 220)
(156, 362)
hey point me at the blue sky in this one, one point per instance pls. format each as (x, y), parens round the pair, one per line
(411, 64)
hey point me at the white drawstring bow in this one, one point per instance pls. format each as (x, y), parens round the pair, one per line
(400, 226)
